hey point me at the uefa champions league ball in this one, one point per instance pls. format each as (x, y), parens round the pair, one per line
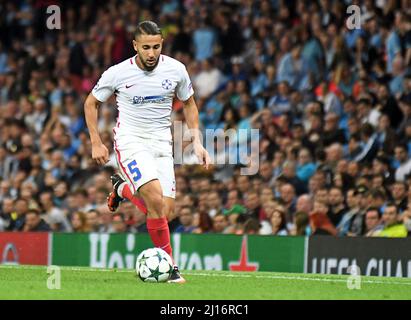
(154, 265)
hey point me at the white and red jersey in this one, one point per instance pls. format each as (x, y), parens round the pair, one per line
(144, 98)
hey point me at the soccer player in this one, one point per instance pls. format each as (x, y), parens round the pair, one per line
(144, 86)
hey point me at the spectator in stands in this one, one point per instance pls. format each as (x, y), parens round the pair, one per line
(93, 220)
(404, 162)
(120, 225)
(186, 219)
(52, 215)
(399, 195)
(79, 222)
(301, 224)
(304, 204)
(252, 226)
(220, 223)
(357, 226)
(33, 222)
(278, 223)
(337, 206)
(393, 228)
(214, 203)
(372, 222)
(253, 205)
(305, 167)
(322, 80)
(320, 224)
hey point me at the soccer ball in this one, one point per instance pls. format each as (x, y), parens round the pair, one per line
(154, 265)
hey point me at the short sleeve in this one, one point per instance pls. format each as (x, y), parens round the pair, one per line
(184, 88)
(105, 86)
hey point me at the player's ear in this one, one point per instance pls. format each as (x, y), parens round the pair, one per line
(135, 45)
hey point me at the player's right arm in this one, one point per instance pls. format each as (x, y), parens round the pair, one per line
(99, 151)
(100, 93)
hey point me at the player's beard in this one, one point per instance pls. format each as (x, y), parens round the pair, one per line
(146, 66)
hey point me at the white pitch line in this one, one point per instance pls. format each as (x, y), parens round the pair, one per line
(294, 278)
(212, 275)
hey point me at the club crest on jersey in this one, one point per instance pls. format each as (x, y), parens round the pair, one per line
(167, 84)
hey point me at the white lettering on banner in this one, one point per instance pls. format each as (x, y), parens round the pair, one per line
(100, 257)
(331, 264)
(398, 271)
(322, 266)
(342, 265)
(388, 267)
(99, 252)
(95, 238)
(195, 262)
(372, 264)
(314, 265)
(372, 267)
(381, 267)
(116, 260)
(327, 265)
(213, 262)
(131, 241)
(176, 248)
(10, 254)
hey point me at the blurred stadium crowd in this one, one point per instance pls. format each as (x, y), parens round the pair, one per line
(333, 107)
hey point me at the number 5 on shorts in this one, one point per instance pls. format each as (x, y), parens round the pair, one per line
(132, 166)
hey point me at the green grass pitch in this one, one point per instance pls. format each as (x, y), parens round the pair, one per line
(30, 282)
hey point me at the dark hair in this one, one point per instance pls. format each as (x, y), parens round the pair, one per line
(373, 209)
(283, 224)
(402, 146)
(187, 207)
(35, 211)
(367, 130)
(252, 224)
(80, 191)
(391, 204)
(148, 28)
(355, 137)
(93, 210)
(378, 193)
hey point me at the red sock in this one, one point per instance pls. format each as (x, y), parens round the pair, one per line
(136, 201)
(160, 234)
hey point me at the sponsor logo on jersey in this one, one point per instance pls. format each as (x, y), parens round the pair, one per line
(149, 99)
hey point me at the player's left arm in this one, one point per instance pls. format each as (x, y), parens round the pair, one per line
(191, 116)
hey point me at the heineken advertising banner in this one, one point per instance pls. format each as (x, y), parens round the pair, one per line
(319, 254)
(24, 248)
(191, 252)
(370, 256)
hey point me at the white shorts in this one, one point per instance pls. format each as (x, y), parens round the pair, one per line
(141, 160)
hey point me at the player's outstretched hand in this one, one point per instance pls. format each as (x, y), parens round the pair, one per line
(99, 153)
(202, 155)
